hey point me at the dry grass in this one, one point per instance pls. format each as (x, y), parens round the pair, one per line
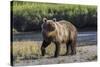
(31, 50)
(25, 52)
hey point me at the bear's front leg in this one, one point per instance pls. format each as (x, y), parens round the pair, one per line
(57, 50)
(44, 45)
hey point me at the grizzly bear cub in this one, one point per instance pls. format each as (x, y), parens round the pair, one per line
(59, 32)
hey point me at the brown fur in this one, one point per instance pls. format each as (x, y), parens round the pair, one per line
(59, 32)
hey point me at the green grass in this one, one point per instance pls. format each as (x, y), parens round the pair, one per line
(26, 15)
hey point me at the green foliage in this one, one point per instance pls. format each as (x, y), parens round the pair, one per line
(27, 16)
(14, 30)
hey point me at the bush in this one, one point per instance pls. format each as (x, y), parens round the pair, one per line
(14, 30)
(27, 16)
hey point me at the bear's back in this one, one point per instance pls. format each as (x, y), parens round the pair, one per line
(68, 25)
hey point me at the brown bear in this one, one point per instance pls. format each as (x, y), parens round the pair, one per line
(59, 32)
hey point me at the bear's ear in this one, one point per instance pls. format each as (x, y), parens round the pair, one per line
(54, 19)
(44, 19)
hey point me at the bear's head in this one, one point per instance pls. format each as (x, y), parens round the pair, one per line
(48, 25)
(48, 28)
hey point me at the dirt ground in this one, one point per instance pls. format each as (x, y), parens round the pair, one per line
(84, 54)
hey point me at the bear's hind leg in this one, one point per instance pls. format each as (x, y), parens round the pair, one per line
(73, 48)
(68, 48)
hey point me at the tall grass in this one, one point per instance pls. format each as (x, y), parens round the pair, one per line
(32, 50)
(27, 16)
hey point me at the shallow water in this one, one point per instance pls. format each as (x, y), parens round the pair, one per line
(82, 37)
(87, 36)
